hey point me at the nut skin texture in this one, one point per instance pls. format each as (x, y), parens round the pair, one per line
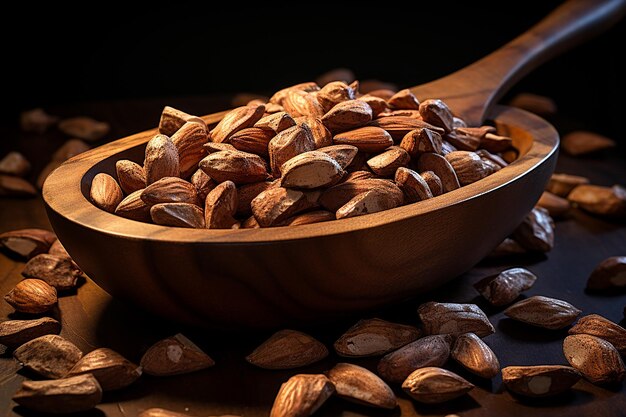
(235, 120)
(302, 395)
(603, 328)
(455, 319)
(14, 333)
(549, 313)
(540, 380)
(61, 273)
(563, 184)
(105, 192)
(536, 232)
(373, 337)
(413, 185)
(609, 274)
(111, 369)
(505, 287)
(595, 358)
(602, 201)
(347, 115)
(287, 349)
(170, 190)
(220, 206)
(174, 355)
(32, 296)
(161, 159)
(134, 208)
(475, 356)
(130, 175)
(27, 242)
(361, 386)
(51, 356)
(432, 385)
(178, 215)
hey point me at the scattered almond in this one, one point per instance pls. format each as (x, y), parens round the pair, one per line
(545, 312)
(582, 142)
(455, 319)
(563, 184)
(11, 186)
(174, 355)
(287, 349)
(68, 395)
(32, 296)
(427, 351)
(302, 395)
(14, 163)
(27, 242)
(36, 120)
(50, 356)
(603, 201)
(434, 385)
(112, 370)
(361, 386)
(540, 380)
(14, 333)
(61, 273)
(474, 355)
(535, 103)
(609, 274)
(84, 128)
(595, 358)
(603, 328)
(556, 206)
(505, 287)
(536, 232)
(374, 337)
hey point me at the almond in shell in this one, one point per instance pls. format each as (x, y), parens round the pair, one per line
(610, 274)
(404, 99)
(253, 140)
(440, 166)
(133, 207)
(32, 296)
(50, 356)
(173, 119)
(436, 112)
(474, 355)
(347, 115)
(27, 242)
(386, 163)
(274, 205)
(595, 358)
(67, 395)
(276, 122)
(61, 273)
(343, 154)
(455, 319)
(603, 328)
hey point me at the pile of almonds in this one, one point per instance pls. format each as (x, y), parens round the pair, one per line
(307, 155)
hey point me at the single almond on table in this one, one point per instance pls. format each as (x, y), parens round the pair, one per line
(505, 287)
(310, 217)
(427, 351)
(440, 166)
(189, 141)
(508, 247)
(14, 333)
(130, 175)
(399, 126)
(14, 163)
(32, 296)
(421, 140)
(112, 370)
(474, 355)
(385, 164)
(161, 159)
(302, 395)
(36, 120)
(546, 312)
(434, 182)
(337, 196)
(536, 232)
(365, 139)
(535, 103)
(556, 206)
(539, 380)
(603, 201)
(11, 186)
(27, 242)
(595, 358)
(50, 356)
(583, 142)
(311, 169)
(468, 166)
(274, 205)
(436, 112)
(170, 190)
(253, 140)
(432, 385)
(287, 349)
(609, 274)
(220, 206)
(174, 355)
(276, 122)
(343, 154)
(173, 119)
(603, 328)
(455, 319)
(347, 115)
(133, 207)
(361, 386)
(178, 215)
(563, 184)
(334, 93)
(302, 103)
(374, 337)
(67, 395)
(61, 273)
(105, 192)
(412, 185)
(289, 143)
(84, 128)
(235, 120)
(372, 201)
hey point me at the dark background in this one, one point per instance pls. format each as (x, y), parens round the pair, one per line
(117, 52)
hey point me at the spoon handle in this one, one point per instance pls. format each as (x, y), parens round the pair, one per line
(471, 91)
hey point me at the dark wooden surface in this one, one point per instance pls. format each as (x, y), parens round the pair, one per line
(91, 318)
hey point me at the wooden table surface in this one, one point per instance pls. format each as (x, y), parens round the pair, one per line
(91, 318)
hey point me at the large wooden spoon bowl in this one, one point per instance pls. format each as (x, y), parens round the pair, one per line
(261, 278)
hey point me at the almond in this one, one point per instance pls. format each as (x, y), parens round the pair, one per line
(455, 319)
(374, 337)
(321, 135)
(343, 154)
(133, 207)
(437, 113)
(161, 159)
(170, 190)
(545, 312)
(474, 355)
(412, 185)
(302, 395)
(177, 215)
(603, 201)
(461, 141)
(563, 184)
(203, 183)
(173, 119)
(404, 99)
(235, 120)
(274, 205)
(253, 140)
(36, 120)
(84, 128)
(105, 192)
(419, 141)
(236, 166)
(425, 352)
(535, 103)
(365, 139)
(432, 385)
(536, 232)
(334, 93)
(220, 206)
(442, 168)
(112, 370)
(336, 196)
(582, 142)
(385, 164)
(434, 182)
(50, 356)
(212, 147)
(247, 192)
(495, 143)
(556, 206)
(468, 166)
(287, 349)
(276, 122)
(61, 273)
(377, 104)
(369, 202)
(189, 141)
(14, 163)
(412, 113)
(68, 395)
(361, 386)
(130, 175)
(539, 380)
(14, 333)
(603, 328)
(310, 217)
(311, 169)
(447, 147)
(595, 358)
(301, 103)
(16, 187)
(505, 287)
(27, 242)
(494, 160)
(610, 274)
(174, 355)
(32, 296)
(347, 115)
(287, 144)
(280, 95)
